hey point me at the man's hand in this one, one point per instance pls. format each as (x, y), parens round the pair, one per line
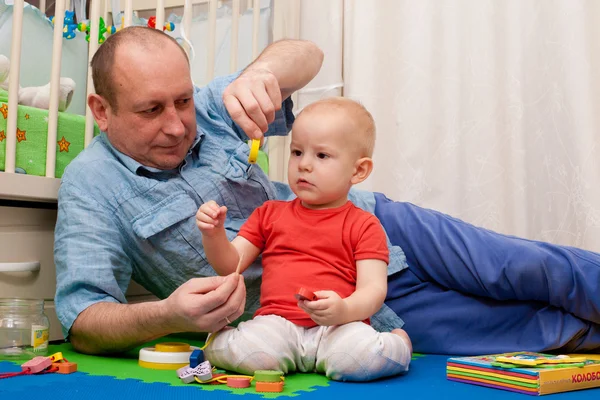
(210, 217)
(252, 100)
(207, 304)
(329, 309)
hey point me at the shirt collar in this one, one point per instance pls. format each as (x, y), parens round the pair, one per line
(140, 169)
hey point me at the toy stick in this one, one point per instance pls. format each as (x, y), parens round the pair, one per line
(237, 269)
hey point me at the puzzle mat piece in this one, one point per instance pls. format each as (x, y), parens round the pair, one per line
(104, 387)
(126, 367)
(83, 386)
(426, 380)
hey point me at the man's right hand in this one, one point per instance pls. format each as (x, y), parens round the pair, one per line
(210, 217)
(207, 304)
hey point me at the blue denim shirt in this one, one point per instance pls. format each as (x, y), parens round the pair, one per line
(119, 220)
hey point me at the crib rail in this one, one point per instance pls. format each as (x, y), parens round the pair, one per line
(27, 187)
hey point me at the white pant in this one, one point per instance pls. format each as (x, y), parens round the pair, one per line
(349, 352)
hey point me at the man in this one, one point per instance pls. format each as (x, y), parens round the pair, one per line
(127, 206)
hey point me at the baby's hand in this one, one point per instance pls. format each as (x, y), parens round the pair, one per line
(329, 308)
(210, 217)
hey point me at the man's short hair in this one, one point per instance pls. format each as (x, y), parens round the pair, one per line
(105, 57)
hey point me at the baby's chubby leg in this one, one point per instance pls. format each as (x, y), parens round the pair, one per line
(265, 342)
(357, 352)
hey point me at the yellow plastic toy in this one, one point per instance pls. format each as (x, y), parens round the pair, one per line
(169, 355)
(254, 148)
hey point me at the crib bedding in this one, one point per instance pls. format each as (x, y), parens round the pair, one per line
(32, 133)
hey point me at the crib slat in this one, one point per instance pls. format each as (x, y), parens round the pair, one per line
(211, 44)
(93, 46)
(13, 86)
(105, 14)
(235, 33)
(187, 27)
(59, 17)
(160, 14)
(128, 18)
(255, 27)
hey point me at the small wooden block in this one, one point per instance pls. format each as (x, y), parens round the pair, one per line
(65, 367)
(196, 358)
(36, 364)
(267, 375)
(305, 294)
(271, 387)
(238, 383)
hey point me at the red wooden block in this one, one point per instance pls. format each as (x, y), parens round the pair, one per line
(305, 294)
(238, 382)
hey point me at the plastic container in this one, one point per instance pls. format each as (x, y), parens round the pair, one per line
(23, 329)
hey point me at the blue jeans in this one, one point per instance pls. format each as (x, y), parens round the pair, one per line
(469, 290)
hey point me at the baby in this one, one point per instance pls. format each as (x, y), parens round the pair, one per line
(319, 241)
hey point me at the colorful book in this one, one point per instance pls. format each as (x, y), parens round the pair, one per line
(526, 372)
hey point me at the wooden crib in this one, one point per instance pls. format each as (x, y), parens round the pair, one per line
(28, 202)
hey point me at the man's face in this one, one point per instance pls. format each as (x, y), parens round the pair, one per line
(155, 121)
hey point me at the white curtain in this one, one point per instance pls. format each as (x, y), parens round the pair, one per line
(487, 110)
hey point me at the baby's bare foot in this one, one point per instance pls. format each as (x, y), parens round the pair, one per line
(403, 335)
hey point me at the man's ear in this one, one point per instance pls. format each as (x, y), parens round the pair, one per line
(362, 170)
(99, 108)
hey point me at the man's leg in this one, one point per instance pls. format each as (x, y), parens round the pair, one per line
(474, 261)
(443, 321)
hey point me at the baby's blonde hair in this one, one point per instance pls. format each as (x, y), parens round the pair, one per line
(364, 134)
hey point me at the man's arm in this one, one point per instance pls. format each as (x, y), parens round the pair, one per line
(281, 69)
(293, 63)
(199, 305)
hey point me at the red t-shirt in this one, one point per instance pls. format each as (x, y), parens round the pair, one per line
(314, 249)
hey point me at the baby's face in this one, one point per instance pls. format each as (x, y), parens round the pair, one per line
(322, 158)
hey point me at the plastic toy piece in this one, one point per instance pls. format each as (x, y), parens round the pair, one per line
(238, 382)
(196, 358)
(271, 387)
(168, 26)
(166, 356)
(186, 374)
(305, 294)
(254, 147)
(65, 367)
(172, 347)
(36, 364)
(56, 357)
(267, 375)
(203, 371)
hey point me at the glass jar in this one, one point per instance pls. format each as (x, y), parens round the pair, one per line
(24, 329)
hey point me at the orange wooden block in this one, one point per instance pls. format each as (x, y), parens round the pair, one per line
(305, 294)
(273, 387)
(65, 367)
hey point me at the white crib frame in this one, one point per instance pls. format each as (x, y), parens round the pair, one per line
(14, 186)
